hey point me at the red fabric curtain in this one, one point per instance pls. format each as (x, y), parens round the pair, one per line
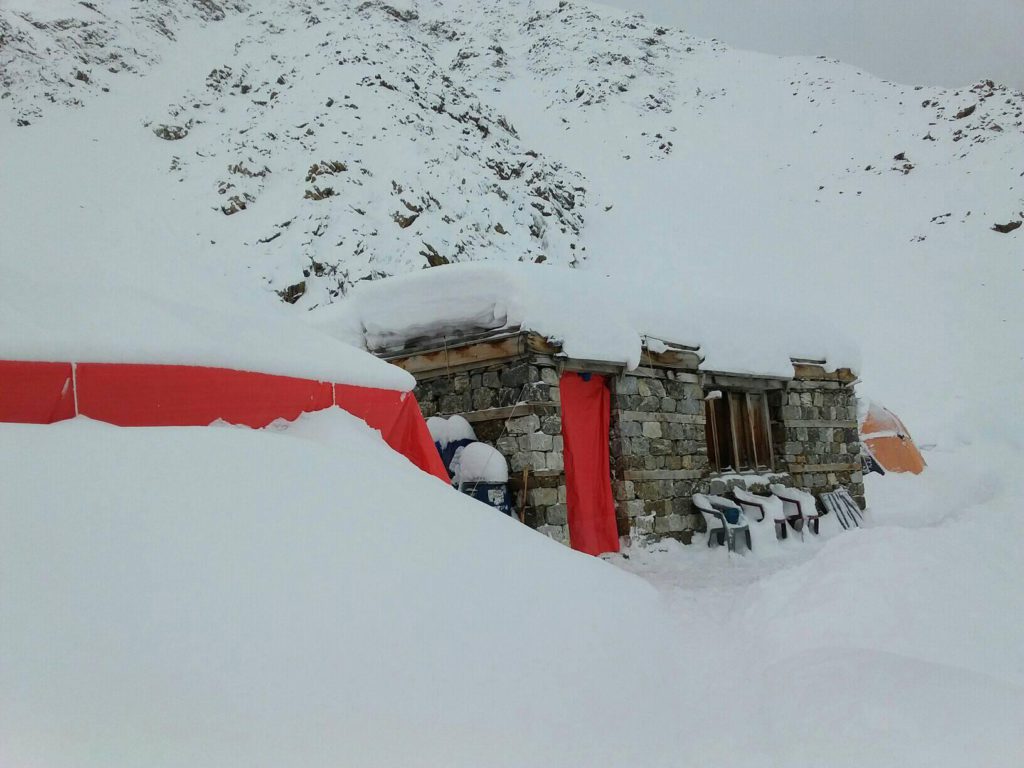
(36, 393)
(586, 410)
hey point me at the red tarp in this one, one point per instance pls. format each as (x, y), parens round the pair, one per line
(585, 414)
(184, 395)
(397, 415)
(36, 393)
(131, 395)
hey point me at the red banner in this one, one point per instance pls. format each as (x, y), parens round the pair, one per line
(586, 411)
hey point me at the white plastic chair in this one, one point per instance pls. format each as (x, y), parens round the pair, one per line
(799, 506)
(716, 510)
(762, 507)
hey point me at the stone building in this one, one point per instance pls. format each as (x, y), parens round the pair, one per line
(675, 428)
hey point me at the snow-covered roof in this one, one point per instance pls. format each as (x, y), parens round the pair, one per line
(593, 316)
(106, 320)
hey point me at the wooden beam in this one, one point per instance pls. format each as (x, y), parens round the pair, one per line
(798, 468)
(673, 418)
(715, 380)
(471, 355)
(813, 372)
(837, 424)
(511, 411)
(662, 474)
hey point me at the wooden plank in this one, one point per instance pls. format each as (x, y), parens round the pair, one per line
(797, 468)
(813, 386)
(472, 355)
(662, 474)
(674, 418)
(645, 372)
(537, 343)
(546, 472)
(511, 411)
(740, 382)
(837, 424)
(673, 358)
(450, 341)
(815, 372)
(591, 366)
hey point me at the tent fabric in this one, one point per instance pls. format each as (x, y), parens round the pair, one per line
(398, 417)
(132, 395)
(586, 411)
(143, 395)
(36, 393)
(889, 442)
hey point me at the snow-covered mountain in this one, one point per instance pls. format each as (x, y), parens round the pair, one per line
(289, 149)
(170, 170)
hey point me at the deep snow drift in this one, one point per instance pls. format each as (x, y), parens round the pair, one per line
(224, 597)
(195, 597)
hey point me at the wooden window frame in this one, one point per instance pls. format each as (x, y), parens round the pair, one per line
(751, 399)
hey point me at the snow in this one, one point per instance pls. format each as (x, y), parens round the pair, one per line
(593, 316)
(480, 463)
(301, 595)
(774, 509)
(197, 596)
(113, 320)
(96, 265)
(459, 429)
(233, 597)
(450, 429)
(743, 178)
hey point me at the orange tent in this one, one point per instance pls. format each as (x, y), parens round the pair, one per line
(889, 442)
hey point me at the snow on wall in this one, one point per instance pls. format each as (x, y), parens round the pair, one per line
(594, 316)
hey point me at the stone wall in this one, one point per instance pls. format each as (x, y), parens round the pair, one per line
(525, 426)
(659, 453)
(658, 449)
(815, 436)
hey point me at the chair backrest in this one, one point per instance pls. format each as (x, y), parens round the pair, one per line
(713, 518)
(702, 503)
(751, 504)
(733, 512)
(795, 500)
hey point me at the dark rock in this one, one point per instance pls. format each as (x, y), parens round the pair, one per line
(171, 132)
(293, 293)
(1006, 228)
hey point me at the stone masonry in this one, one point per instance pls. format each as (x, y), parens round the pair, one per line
(659, 453)
(524, 424)
(657, 440)
(814, 429)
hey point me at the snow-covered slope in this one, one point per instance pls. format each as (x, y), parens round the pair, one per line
(293, 148)
(227, 597)
(195, 597)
